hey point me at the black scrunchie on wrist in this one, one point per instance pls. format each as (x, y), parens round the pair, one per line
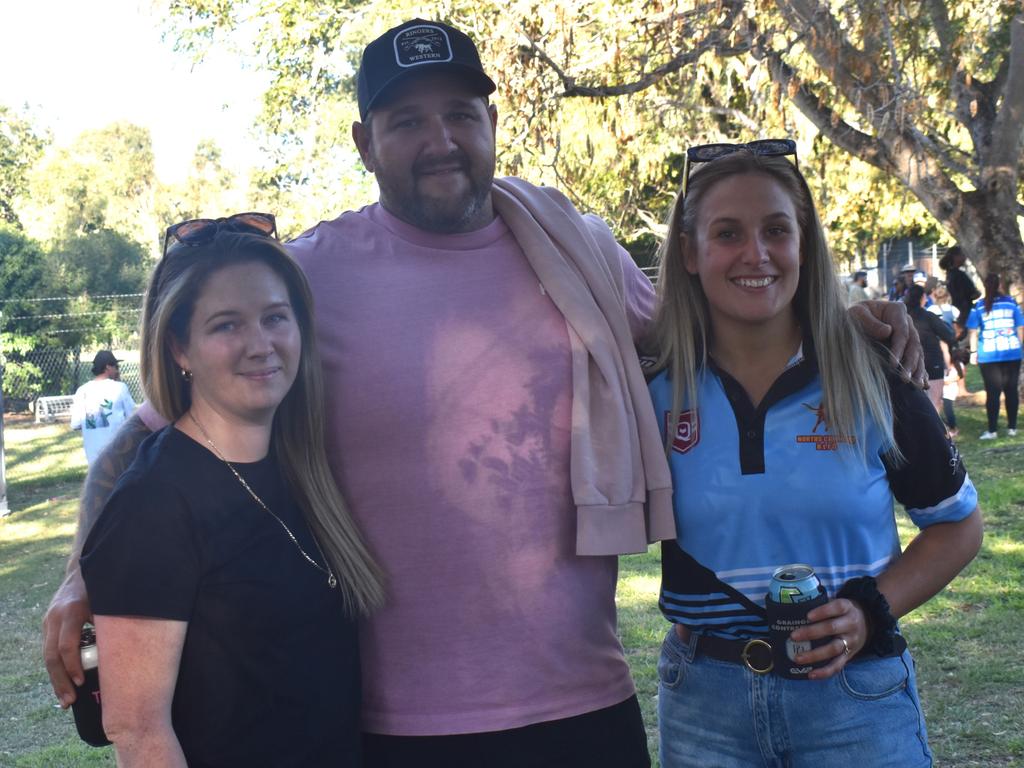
(884, 640)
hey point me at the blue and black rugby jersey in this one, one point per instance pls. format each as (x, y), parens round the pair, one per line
(998, 341)
(756, 488)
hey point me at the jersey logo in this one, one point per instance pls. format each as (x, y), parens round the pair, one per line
(687, 433)
(819, 414)
(824, 441)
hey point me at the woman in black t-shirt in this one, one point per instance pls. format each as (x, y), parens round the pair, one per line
(933, 333)
(962, 290)
(225, 574)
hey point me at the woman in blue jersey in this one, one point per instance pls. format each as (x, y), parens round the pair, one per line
(996, 325)
(790, 436)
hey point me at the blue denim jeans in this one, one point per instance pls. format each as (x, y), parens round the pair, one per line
(715, 714)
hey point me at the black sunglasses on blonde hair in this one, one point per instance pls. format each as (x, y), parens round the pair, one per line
(705, 153)
(196, 232)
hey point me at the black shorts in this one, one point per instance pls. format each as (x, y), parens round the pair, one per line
(608, 738)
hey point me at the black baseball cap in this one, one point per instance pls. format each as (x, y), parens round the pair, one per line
(413, 47)
(103, 358)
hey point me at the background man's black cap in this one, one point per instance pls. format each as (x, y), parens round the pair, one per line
(417, 46)
(103, 358)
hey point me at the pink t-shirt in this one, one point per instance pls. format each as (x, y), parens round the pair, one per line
(448, 381)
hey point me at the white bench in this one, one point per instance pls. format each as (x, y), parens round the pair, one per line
(49, 409)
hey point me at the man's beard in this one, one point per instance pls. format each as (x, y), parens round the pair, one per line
(444, 216)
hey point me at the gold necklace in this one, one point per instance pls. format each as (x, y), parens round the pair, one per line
(332, 580)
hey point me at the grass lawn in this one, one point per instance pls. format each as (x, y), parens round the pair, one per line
(966, 640)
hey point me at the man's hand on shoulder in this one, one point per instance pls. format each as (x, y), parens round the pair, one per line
(888, 322)
(69, 609)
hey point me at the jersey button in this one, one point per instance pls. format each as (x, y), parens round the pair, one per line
(751, 433)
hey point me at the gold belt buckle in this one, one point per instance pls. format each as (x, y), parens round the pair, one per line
(745, 656)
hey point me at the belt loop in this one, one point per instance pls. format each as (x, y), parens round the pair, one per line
(691, 646)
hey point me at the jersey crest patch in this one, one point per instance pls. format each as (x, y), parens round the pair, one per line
(824, 441)
(687, 432)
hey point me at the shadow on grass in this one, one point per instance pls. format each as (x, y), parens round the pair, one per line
(43, 455)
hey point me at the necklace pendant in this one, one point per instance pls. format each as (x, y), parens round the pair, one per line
(332, 582)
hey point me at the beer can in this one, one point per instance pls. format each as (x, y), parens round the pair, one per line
(794, 591)
(794, 583)
(86, 707)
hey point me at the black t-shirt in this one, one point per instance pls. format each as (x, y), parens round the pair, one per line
(269, 671)
(931, 330)
(962, 292)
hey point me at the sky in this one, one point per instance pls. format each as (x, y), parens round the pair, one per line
(84, 65)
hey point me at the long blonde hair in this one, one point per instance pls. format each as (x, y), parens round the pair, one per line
(297, 433)
(852, 374)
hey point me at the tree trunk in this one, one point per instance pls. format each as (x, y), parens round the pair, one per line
(984, 223)
(990, 235)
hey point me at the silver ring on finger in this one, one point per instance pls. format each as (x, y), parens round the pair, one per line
(846, 645)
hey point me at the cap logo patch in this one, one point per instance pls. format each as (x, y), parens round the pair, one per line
(424, 44)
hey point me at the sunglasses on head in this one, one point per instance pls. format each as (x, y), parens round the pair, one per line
(705, 153)
(195, 232)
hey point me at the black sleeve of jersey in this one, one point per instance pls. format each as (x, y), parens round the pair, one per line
(142, 558)
(932, 469)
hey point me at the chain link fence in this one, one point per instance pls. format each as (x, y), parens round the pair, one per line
(47, 348)
(59, 371)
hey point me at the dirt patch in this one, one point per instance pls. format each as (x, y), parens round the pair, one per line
(22, 419)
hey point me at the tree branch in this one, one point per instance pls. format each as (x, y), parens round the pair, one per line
(736, 114)
(945, 153)
(856, 76)
(1007, 132)
(716, 40)
(841, 133)
(895, 149)
(975, 110)
(944, 30)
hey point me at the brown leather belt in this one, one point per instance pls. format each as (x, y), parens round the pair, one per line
(754, 654)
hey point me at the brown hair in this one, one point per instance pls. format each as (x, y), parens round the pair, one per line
(297, 433)
(991, 284)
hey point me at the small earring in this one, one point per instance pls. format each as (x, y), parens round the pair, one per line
(186, 375)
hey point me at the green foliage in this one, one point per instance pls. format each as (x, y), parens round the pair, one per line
(23, 275)
(601, 98)
(209, 190)
(36, 334)
(105, 180)
(56, 287)
(21, 145)
(88, 209)
(101, 262)
(23, 381)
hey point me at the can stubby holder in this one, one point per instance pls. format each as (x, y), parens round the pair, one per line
(87, 711)
(783, 618)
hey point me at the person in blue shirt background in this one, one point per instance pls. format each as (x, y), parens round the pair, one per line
(789, 435)
(996, 325)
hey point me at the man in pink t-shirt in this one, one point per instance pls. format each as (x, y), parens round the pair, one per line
(449, 430)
